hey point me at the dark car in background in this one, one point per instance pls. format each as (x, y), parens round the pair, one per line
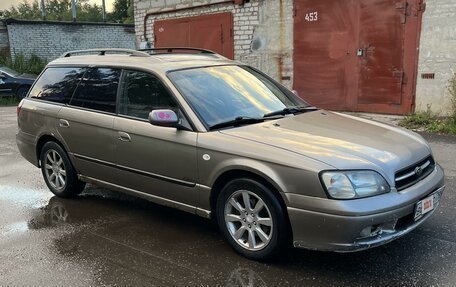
(13, 83)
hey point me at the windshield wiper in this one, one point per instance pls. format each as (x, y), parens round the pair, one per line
(236, 122)
(291, 110)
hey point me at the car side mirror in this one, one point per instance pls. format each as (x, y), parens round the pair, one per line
(164, 118)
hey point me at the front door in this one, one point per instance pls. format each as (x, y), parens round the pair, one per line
(156, 160)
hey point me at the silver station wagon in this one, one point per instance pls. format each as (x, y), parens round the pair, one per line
(190, 129)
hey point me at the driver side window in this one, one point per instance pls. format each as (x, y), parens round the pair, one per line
(3, 76)
(142, 93)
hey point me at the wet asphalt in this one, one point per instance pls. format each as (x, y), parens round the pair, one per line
(107, 238)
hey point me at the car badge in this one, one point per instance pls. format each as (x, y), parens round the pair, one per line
(418, 170)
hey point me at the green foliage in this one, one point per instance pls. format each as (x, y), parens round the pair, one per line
(25, 9)
(427, 121)
(8, 101)
(23, 64)
(452, 91)
(122, 12)
(418, 120)
(60, 10)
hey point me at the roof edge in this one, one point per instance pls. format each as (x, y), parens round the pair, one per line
(52, 22)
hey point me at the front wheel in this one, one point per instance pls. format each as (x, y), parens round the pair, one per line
(58, 172)
(251, 219)
(22, 92)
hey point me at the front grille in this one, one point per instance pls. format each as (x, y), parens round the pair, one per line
(410, 175)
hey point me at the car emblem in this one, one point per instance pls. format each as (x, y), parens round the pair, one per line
(418, 170)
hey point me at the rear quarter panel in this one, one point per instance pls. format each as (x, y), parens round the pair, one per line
(36, 119)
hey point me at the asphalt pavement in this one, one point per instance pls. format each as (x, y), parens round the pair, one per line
(107, 238)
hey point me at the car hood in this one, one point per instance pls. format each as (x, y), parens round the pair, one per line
(27, 77)
(339, 140)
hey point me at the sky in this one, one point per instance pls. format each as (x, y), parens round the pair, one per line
(6, 4)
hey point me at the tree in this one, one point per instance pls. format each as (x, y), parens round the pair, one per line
(23, 10)
(122, 12)
(60, 10)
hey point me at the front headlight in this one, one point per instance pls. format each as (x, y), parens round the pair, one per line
(354, 184)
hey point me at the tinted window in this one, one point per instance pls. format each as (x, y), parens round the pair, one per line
(57, 84)
(97, 90)
(143, 93)
(223, 93)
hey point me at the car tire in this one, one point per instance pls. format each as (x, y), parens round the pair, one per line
(58, 172)
(259, 234)
(21, 92)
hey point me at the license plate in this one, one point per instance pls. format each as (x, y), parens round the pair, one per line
(426, 205)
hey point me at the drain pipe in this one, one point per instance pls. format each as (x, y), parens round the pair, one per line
(43, 9)
(73, 10)
(146, 17)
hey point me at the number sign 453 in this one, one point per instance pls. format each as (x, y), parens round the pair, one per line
(311, 17)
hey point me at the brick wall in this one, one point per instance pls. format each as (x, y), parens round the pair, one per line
(263, 38)
(437, 56)
(49, 40)
(263, 30)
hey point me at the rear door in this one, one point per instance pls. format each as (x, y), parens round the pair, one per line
(87, 123)
(156, 160)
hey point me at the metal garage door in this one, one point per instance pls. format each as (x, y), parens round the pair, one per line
(213, 32)
(357, 55)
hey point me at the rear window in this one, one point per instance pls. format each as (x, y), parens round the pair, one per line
(97, 90)
(57, 84)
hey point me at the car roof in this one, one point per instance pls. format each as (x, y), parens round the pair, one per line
(163, 62)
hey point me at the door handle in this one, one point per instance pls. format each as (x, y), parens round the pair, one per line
(64, 123)
(124, 137)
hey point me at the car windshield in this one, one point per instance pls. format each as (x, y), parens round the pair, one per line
(9, 71)
(224, 93)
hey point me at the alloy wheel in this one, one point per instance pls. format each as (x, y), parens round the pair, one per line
(248, 220)
(55, 169)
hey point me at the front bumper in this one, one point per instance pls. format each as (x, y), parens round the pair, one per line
(340, 226)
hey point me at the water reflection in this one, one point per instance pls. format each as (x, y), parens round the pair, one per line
(245, 277)
(127, 241)
(158, 245)
(15, 228)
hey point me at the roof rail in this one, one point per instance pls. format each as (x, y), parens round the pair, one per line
(102, 52)
(172, 49)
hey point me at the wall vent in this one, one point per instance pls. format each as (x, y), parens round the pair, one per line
(428, 76)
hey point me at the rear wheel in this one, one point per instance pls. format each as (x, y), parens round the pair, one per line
(58, 173)
(252, 219)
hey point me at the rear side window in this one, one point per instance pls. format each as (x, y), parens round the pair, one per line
(57, 84)
(142, 93)
(97, 90)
